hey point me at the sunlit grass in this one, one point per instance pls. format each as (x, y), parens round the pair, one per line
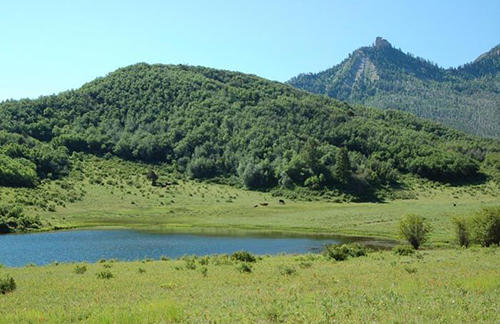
(113, 192)
(451, 285)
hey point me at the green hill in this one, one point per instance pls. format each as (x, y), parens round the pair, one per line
(466, 98)
(236, 128)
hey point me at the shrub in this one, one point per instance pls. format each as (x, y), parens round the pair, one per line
(287, 270)
(204, 271)
(222, 259)
(104, 275)
(201, 168)
(403, 250)
(7, 284)
(190, 264)
(17, 172)
(410, 270)
(356, 250)
(305, 265)
(462, 231)
(204, 260)
(244, 268)
(141, 270)
(336, 252)
(486, 226)
(257, 176)
(243, 256)
(342, 252)
(13, 219)
(414, 229)
(80, 269)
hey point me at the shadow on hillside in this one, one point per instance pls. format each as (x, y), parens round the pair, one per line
(481, 178)
(363, 191)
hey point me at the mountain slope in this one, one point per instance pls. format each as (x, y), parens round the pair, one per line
(211, 123)
(466, 98)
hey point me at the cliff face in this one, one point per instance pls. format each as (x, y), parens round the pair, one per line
(380, 75)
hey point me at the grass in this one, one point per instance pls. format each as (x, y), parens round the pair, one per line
(439, 285)
(113, 192)
(443, 285)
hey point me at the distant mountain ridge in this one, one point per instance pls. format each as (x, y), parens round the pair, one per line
(466, 98)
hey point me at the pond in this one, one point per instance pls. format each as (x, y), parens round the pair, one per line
(92, 245)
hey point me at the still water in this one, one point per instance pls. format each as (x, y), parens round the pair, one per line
(92, 245)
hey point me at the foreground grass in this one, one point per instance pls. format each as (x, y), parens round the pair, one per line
(432, 286)
(113, 192)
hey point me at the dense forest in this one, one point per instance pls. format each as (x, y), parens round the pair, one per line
(210, 124)
(466, 98)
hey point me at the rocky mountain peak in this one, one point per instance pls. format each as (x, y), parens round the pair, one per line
(381, 43)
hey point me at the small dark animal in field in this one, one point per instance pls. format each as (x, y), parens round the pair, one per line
(282, 202)
(264, 204)
(454, 204)
(255, 206)
(153, 177)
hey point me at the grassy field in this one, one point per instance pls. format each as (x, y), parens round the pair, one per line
(450, 285)
(438, 284)
(112, 192)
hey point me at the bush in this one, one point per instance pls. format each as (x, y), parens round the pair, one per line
(7, 284)
(13, 219)
(258, 176)
(244, 268)
(105, 275)
(342, 252)
(339, 253)
(486, 226)
(356, 250)
(403, 250)
(410, 269)
(17, 172)
(204, 261)
(287, 270)
(414, 229)
(190, 263)
(243, 256)
(80, 269)
(305, 264)
(462, 231)
(201, 168)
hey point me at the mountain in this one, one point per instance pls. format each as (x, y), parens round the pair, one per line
(466, 98)
(233, 127)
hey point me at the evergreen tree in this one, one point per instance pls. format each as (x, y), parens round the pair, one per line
(342, 169)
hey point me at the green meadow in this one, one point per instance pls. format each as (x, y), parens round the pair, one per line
(447, 286)
(101, 192)
(441, 283)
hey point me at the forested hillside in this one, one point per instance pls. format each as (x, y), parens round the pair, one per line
(234, 127)
(466, 98)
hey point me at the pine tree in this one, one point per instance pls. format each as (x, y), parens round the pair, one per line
(342, 169)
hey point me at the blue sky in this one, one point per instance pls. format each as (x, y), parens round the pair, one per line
(51, 46)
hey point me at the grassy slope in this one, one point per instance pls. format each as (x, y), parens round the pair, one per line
(126, 198)
(437, 286)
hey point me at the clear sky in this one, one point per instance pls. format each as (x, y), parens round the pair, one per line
(50, 46)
